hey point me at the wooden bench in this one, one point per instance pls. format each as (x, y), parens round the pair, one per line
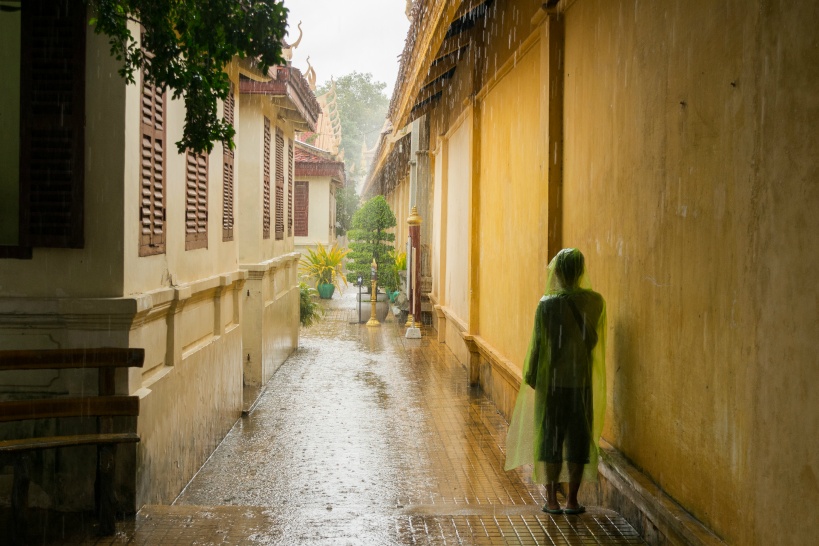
(104, 406)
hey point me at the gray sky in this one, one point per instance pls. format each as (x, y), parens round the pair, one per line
(341, 36)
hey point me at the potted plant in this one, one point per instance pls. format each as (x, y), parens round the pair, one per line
(371, 240)
(325, 267)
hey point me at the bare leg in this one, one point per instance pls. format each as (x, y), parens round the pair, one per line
(552, 473)
(575, 475)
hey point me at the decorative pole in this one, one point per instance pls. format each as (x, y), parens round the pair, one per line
(414, 222)
(373, 296)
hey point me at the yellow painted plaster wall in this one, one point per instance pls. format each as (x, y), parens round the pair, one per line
(253, 248)
(176, 266)
(435, 223)
(399, 201)
(97, 269)
(690, 183)
(191, 387)
(459, 180)
(512, 271)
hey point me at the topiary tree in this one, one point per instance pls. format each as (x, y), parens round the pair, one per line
(370, 239)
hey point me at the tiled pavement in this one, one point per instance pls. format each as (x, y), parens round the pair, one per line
(365, 438)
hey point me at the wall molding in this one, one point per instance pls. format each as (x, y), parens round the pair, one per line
(672, 521)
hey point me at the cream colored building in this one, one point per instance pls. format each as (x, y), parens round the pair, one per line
(674, 144)
(318, 176)
(275, 107)
(141, 246)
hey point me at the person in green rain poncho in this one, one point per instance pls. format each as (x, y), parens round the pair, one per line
(559, 411)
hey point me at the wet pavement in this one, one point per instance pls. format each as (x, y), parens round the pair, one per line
(364, 437)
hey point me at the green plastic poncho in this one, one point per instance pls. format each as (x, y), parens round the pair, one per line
(567, 351)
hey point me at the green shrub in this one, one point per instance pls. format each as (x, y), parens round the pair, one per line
(371, 240)
(310, 310)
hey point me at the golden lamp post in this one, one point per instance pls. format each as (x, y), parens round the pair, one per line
(373, 296)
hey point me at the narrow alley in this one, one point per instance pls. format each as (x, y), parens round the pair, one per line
(365, 437)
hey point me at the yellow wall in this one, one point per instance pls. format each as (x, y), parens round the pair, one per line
(458, 180)
(176, 265)
(250, 157)
(97, 269)
(9, 128)
(399, 200)
(436, 222)
(690, 183)
(512, 204)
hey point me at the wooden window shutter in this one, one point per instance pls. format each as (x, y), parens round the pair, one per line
(279, 184)
(302, 209)
(52, 123)
(227, 172)
(266, 182)
(290, 173)
(196, 201)
(152, 170)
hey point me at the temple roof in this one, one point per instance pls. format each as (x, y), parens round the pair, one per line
(290, 91)
(312, 161)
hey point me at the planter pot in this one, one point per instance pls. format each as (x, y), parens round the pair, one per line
(326, 291)
(382, 307)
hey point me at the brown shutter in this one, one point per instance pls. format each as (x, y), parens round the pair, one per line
(302, 209)
(152, 170)
(266, 182)
(290, 174)
(279, 184)
(227, 172)
(52, 123)
(196, 201)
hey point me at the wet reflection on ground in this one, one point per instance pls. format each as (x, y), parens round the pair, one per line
(365, 437)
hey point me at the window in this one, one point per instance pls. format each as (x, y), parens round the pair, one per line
(152, 170)
(290, 174)
(279, 184)
(266, 182)
(52, 120)
(227, 172)
(196, 201)
(302, 209)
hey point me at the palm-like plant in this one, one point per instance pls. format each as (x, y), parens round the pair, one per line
(309, 309)
(325, 266)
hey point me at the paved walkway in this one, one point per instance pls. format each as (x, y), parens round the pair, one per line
(366, 438)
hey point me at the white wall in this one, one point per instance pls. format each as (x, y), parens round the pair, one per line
(319, 212)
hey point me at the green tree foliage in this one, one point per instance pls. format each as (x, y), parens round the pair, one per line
(189, 43)
(347, 203)
(370, 239)
(362, 107)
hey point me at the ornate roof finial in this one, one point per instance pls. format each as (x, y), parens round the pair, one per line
(287, 49)
(311, 75)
